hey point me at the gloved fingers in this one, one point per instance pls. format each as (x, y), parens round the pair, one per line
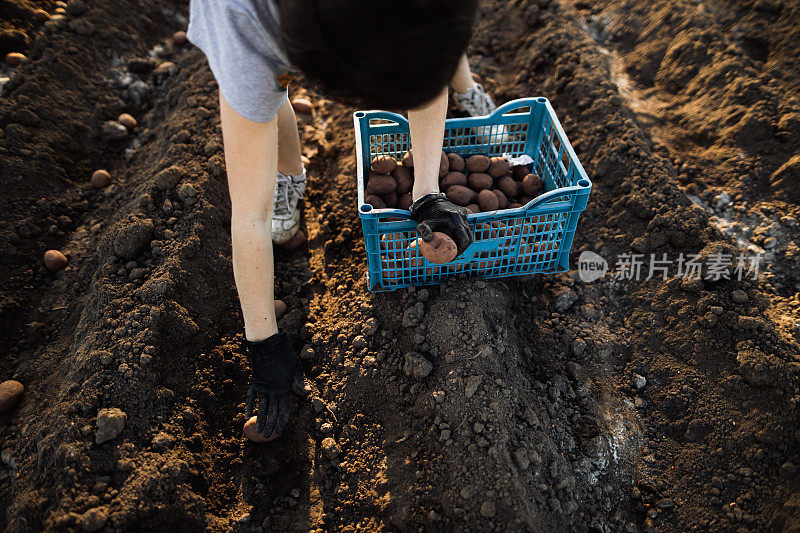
(300, 385)
(251, 396)
(425, 231)
(462, 237)
(283, 413)
(262, 412)
(272, 418)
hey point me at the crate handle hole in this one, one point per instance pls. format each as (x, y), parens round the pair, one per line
(583, 183)
(542, 100)
(366, 208)
(360, 114)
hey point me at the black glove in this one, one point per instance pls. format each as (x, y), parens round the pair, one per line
(276, 370)
(434, 212)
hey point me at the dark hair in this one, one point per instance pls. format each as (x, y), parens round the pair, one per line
(393, 54)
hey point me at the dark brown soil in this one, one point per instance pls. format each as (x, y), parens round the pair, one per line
(530, 404)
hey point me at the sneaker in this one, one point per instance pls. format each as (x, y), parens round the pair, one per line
(476, 103)
(286, 217)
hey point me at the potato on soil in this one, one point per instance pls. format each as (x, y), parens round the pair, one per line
(179, 38)
(297, 241)
(302, 106)
(474, 208)
(15, 59)
(488, 201)
(478, 163)
(11, 392)
(404, 179)
(456, 162)
(480, 181)
(453, 178)
(383, 164)
(509, 187)
(532, 185)
(498, 167)
(405, 201)
(381, 184)
(280, 309)
(390, 199)
(501, 198)
(375, 201)
(408, 159)
(54, 260)
(518, 172)
(460, 195)
(441, 248)
(101, 178)
(251, 433)
(444, 165)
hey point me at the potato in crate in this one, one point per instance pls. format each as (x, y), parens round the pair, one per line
(523, 217)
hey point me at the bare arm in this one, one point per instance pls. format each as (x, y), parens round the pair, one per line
(251, 159)
(427, 135)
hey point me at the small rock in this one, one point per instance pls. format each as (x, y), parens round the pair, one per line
(417, 366)
(370, 327)
(93, 519)
(113, 130)
(578, 346)
(565, 299)
(487, 509)
(359, 342)
(110, 423)
(739, 297)
(138, 91)
(330, 448)
(307, 352)
(639, 381)
(11, 392)
(163, 441)
(473, 382)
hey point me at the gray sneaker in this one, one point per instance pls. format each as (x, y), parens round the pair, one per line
(476, 103)
(286, 217)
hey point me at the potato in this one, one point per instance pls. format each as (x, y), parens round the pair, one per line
(456, 162)
(444, 165)
(383, 164)
(532, 185)
(501, 198)
(101, 178)
(518, 172)
(488, 201)
(524, 199)
(250, 431)
(297, 241)
(405, 201)
(179, 38)
(381, 184)
(41, 15)
(408, 159)
(453, 178)
(302, 106)
(15, 59)
(127, 120)
(460, 195)
(509, 187)
(441, 249)
(480, 181)
(404, 179)
(390, 199)
(375, 201)
(280, 309)
(478, 163)
(514, 205)
(11, 392)
(498, 166)
(54, 260)
(473, 208)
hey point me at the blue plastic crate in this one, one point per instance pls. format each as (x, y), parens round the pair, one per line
(536, 237)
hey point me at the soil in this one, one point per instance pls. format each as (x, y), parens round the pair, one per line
(525, 404)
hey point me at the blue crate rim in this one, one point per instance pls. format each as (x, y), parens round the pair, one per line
(583, 182)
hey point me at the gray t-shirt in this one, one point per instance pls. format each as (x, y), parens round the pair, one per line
(241, 39)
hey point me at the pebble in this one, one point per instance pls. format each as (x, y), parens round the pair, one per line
(565, 299)
(137, 91)
(359, 342)
(370, 327)
(578, 346)
(11, 392)
(303, 106)
(113, 130)
(330, 448)
(110, 423)
(639, 381)
(473, 382)
(307, 352)
(179, 38)
(54, 260)
(417, 366)
(127, 120)
(101, 178)
(487, 509)
(15, 59)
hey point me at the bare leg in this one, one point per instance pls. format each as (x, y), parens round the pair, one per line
(288, 141)
(462, 80)
(251, 160)
(427, 135)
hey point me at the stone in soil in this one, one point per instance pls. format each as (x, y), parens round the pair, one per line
(110, 423)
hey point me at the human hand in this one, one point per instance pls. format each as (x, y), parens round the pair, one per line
(434, 212)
